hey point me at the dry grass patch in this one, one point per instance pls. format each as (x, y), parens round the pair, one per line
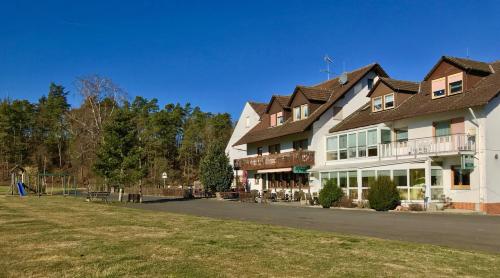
(67, 237)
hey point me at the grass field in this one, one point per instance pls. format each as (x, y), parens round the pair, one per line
(57, 237)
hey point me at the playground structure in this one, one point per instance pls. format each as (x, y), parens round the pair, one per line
(41, 183)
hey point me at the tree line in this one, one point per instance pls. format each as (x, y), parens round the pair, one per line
(109, 138)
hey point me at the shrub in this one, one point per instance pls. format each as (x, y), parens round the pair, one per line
(383, 194)
(330, 194)
(415, 207)
(346, 202)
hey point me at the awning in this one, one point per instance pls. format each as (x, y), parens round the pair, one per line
(363, 165)
(274, 170)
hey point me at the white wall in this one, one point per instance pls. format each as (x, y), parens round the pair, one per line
(241, 129)
(488, 149)
(354, 99)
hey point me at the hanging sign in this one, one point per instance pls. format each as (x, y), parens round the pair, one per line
(300, 169)
(467, 162)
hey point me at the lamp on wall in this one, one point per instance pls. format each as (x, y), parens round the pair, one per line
(496, 156)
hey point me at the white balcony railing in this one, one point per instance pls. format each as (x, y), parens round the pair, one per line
(454, 143)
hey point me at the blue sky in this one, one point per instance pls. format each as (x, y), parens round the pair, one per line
(219, 54)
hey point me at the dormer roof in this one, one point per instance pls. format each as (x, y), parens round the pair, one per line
(396, 85)
(471, 66)
(311, 94)
(281, 100)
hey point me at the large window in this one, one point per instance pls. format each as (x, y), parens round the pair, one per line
(362, 144)
(437, 184)
(402, 135)
(417, 184)
(377, 104)
(353, 184)
(332, 148)
(389, 101)
(442, 128)
(352, 145)
(343, 147)
(400, 178)
(372, 142)
(347, 180)
(367, 177)
(385, 136)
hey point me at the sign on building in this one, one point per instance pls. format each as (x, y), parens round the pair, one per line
(300, 169)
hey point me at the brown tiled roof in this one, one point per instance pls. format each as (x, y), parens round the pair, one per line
(261, 132)
(464, 64)
(258, 107)
(312, 94)
(422, 103)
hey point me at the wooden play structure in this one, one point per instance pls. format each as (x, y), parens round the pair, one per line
(47, 182)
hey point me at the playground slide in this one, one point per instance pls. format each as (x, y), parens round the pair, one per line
(20, 189)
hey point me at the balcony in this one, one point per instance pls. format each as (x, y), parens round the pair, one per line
(273, 161)
(430, 146)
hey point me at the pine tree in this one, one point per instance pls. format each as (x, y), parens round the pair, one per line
(215, 171)
(120, 156)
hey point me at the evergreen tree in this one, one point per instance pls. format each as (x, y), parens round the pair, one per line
(120, 155)
(216, 173)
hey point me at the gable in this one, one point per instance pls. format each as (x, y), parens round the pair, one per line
(299, 99)
(275, 107)
(443, 69)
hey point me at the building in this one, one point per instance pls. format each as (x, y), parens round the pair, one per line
(274, 145)
(436, 138)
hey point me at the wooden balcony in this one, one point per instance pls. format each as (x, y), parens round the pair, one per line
(274, 161)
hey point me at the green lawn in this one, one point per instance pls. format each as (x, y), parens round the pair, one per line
(57, 236)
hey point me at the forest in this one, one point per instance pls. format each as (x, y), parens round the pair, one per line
(109, 138)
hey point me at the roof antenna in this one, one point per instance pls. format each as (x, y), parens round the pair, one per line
(328, 61)
(467, 53)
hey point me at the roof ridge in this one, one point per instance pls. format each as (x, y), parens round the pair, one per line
(400, 80)
(347, 72)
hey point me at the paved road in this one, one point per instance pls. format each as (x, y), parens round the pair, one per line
(479, 232)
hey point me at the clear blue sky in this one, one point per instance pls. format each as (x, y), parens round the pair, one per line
(217, 55)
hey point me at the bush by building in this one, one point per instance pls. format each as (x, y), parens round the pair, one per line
(330, 194)
(383, 194)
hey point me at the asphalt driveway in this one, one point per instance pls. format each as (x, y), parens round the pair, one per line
(478, 232)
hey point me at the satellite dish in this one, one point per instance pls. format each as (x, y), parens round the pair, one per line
(343, 78)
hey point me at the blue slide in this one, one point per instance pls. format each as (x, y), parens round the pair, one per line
(20, 189)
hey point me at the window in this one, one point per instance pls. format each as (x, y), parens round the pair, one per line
(247, 121)
(377, 104)
(334, 177)
(461, 177)
(372, 142)
(384, 173)
(402, 135)
(257, 179)
(389, 101)
(304, 111)
(343, 147)
(367, 177)
(274, 149)
(279, 118)
(351, 144)
(385, 136)
(362, 144)
(332, 148)
(437, 184)
(259, 151)
(343, 179)
(370, 83)
(400, 178)
(438, 88)
(442, 128)
(455, 83)
(300, 145)
(273, 120)
(353, 184)
(296, 113)
(417, 184)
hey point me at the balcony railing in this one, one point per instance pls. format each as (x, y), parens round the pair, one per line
(273, 161)
(452, 144)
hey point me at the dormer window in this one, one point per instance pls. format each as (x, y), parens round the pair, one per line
(279, 118)
(305, 111)
(300, 112)
(377, 104)
(273, 120)
(455, 82)
(438, 88)
(389, 101)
